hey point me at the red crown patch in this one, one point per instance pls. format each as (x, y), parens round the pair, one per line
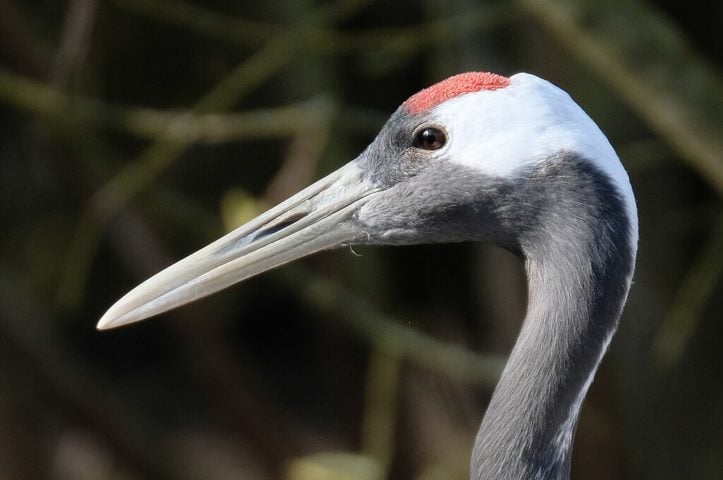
(452, 87)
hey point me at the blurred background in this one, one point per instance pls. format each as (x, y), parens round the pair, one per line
(133, 132)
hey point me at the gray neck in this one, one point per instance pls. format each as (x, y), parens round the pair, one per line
(579, 264)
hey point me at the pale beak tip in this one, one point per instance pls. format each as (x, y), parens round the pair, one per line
(106, 323)
(112, 319)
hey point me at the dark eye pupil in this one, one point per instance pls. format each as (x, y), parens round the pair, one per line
(430, 139)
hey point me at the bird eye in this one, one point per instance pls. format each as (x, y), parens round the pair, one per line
(429, 138)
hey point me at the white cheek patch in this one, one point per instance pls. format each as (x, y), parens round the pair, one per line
(505, 131)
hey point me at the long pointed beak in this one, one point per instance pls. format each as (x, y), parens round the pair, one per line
(312, 220)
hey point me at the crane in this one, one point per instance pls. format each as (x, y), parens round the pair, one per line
(512, 161)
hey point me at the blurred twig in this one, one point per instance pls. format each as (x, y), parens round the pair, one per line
(75, 40)
(142, 172)
(387, 333)
(55, 106)
(323, 40)
(203, 21)
(301, 159)
(652, 67)
(693, 295)
(380, 406)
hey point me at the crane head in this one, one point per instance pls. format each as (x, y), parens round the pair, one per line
(453, 163)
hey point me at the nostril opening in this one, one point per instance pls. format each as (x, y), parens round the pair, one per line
(277, 227)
